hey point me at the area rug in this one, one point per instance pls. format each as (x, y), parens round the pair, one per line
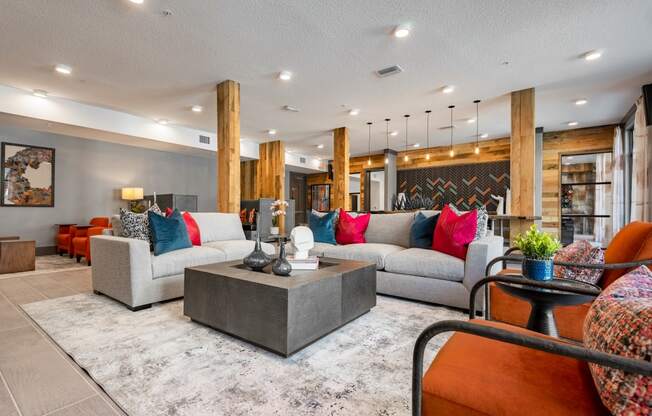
(158, 362)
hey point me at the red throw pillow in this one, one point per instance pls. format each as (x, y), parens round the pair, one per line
(351, 230)
(453, 232)
(191, 226)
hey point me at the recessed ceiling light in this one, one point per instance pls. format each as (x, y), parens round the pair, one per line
(271, 132)
(470, 121)
(320, 146)
(63, 69)
(40, 93)
(573, 123)
(285, 75)
(394, 133)
(592, 55)
(581, 102)
(162, 121)
(137, 1)
(448, 89)
(354, 111)
(416, 145)
(484, 135)
(197, 108)
(291, 108)
(401, 31)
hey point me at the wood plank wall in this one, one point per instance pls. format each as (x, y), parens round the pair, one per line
(556, 144)
(249, 180)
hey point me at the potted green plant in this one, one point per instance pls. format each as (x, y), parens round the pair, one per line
(538, 250)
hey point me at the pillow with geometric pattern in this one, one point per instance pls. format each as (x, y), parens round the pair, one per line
(619, 322)
(579, 252)
(136, 225)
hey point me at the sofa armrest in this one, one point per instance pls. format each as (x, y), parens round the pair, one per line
(479, 254)
(121, 268)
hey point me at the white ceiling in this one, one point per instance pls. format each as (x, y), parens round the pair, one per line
(132, 58)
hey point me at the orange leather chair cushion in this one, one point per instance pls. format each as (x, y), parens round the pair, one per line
(477, 376)
(509, 309)
(100, 222)
(633, 242)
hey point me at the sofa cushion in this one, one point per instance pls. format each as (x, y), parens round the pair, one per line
(426, 263)
(351, 230)
(174, 262)
(217, 226)
(390, 229)
(319, 248)
(168, 233)
(239, 249)
(620, 323)
(579, 252)
(472, 375)
(371, 252)
(422, 230)
(323, 226)
(191, 225)
(454, 233)
(136, 225)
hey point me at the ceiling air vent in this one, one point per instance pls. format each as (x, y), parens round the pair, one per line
(302, 160)
(204, 139)
(385, 72)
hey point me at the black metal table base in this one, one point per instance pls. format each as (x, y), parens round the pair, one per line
(542, 319)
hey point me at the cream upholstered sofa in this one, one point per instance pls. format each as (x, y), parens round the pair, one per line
(416, 273)
(125, 269)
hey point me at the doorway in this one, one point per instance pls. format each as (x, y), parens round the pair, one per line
(374, 190)
(298, 192)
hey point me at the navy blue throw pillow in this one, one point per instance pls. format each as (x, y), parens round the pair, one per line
(323, 227)
(422, 231)
(168, 234)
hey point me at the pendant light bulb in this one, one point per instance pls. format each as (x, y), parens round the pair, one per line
(428, 133)
(368, 162)
(477, 150)
(451, 153)
(427, 156)
(387, 161)
(406, 158)
(387, 140)
(477, 127)
(369, 154)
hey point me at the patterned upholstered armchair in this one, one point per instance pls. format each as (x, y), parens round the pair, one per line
(81, 239)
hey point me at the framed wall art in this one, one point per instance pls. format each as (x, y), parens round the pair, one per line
(27, 176)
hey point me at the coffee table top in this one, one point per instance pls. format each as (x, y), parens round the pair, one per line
(328, 268)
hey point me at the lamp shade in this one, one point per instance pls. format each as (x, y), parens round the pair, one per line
(132, 194)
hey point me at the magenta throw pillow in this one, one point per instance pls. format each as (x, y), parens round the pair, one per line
(453, 232)
(620, 322)
(351, 230)
(579, 252)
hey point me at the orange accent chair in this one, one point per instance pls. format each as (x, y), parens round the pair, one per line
(64, 239)
(492, 368)
(81, 241)
(633, 243)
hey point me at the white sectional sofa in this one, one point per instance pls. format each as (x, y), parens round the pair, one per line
(416, 273)
(125, 269)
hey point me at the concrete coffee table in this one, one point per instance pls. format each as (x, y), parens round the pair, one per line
(281, 314)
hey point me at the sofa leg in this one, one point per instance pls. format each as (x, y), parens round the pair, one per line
(79, 259)
(139, 308)
(89, 262)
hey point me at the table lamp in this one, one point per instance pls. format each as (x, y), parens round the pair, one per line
(132, 195)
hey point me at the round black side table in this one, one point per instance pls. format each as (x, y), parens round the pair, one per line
(544, 301)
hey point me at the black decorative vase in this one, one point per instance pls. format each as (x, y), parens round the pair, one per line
(281, 265)
(257, 259)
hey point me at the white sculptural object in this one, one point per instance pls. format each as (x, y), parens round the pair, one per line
(508, 201)
(500, 210)
(302, 241)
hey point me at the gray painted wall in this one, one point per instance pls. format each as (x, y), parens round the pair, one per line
(88, 178)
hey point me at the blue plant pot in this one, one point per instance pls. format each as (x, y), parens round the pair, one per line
(537, 269)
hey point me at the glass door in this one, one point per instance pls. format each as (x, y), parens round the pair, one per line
(586, 198)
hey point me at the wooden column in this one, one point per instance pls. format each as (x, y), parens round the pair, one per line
(228, 146)
(271, 172)
(340, 189)
(522, 157)
(249, 180)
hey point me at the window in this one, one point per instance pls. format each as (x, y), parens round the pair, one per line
(586, 198)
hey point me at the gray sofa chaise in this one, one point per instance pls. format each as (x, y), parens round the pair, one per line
(416, 273)
(125, 269)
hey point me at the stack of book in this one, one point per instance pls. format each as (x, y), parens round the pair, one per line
(310, 263)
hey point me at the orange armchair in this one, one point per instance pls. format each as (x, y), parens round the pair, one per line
(64, 239)
(81, 240)
(632, 244)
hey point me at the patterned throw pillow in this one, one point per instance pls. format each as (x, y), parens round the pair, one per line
(136, 225)
(620, 322)
(483, 220)
(579, 252)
